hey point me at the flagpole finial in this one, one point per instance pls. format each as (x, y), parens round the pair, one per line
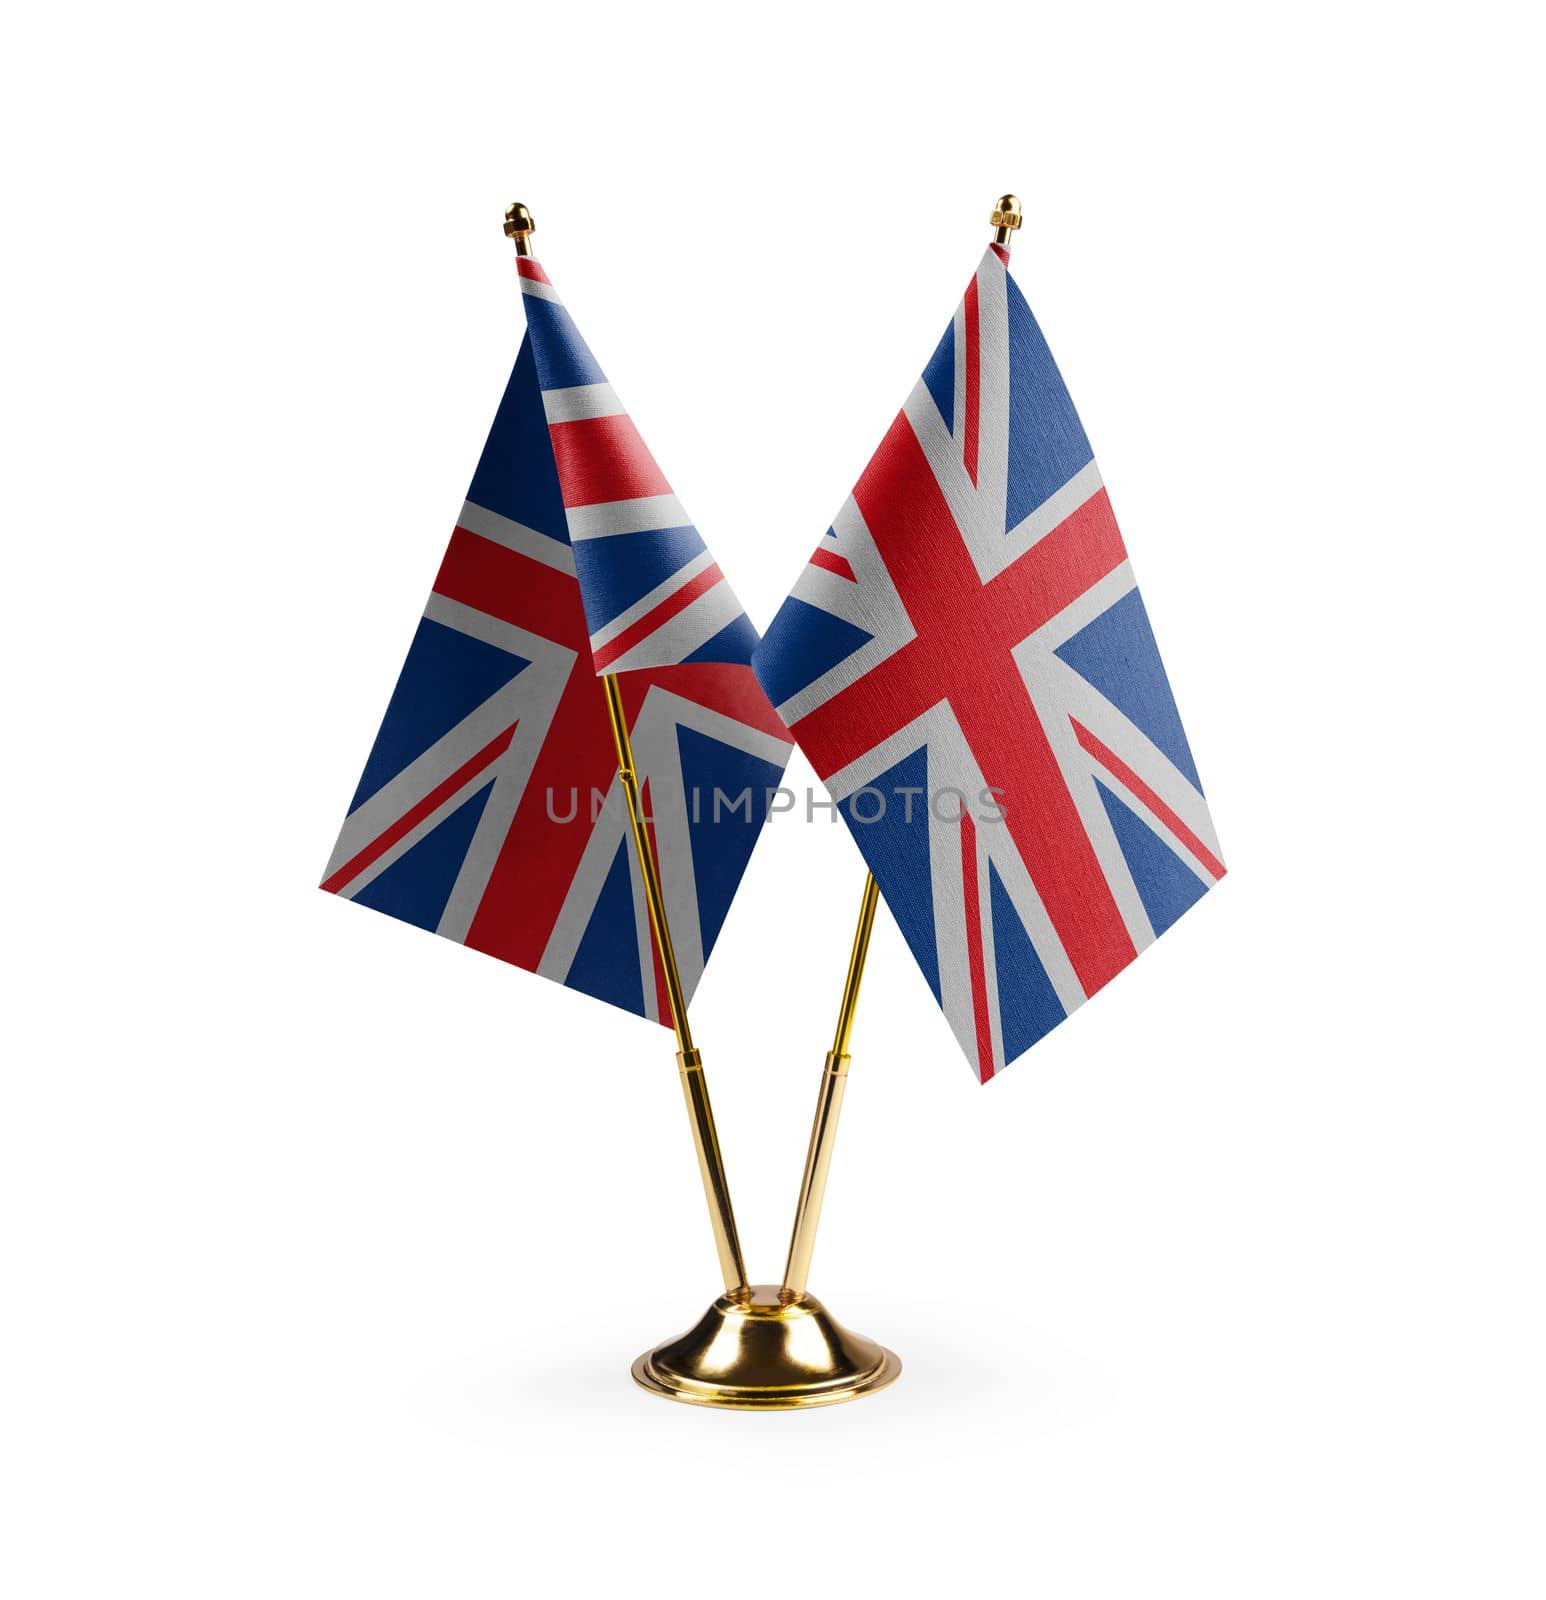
(1006, 218)
(520, 227)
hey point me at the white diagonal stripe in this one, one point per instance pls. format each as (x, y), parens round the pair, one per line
(1052, 712)
(987, 933)
(1057, 508)
(676, 638)
(511, 774)
(595, 863)
(516, 536)
(1082, 701)
(993, 410)
(657, 751)
(580, 402)
(843, 676)
(952, 765)
(537, 685)
(944, 457)
(554, 659)
(643, 515)
(958, 377)
(642, 607)
(1099, 598)
(999, 846)
(427, 771)
(427, 825)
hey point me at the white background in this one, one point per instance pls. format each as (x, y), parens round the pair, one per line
(326, 1244)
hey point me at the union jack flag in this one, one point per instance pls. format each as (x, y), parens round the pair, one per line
(490, 811)
(968, 664)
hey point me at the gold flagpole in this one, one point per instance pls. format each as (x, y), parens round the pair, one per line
(829, 1106)
(689, 1061)
(711, 1163)
(1004, 221)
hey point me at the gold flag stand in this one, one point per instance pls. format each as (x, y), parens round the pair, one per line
(763, 1347)
(774, 1347)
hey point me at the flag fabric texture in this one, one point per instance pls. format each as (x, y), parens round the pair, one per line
(490, 810)
(969, 666)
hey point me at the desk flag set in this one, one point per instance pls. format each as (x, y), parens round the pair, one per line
(966, 661)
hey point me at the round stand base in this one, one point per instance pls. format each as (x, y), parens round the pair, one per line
(765, 1353)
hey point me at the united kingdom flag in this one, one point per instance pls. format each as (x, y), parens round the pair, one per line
(490, 810)
(968, 664)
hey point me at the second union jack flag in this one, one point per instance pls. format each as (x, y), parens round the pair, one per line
(968, 664)
(489, 810)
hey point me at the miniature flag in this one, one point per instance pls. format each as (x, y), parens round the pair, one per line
(969, 667)
(490, 810)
